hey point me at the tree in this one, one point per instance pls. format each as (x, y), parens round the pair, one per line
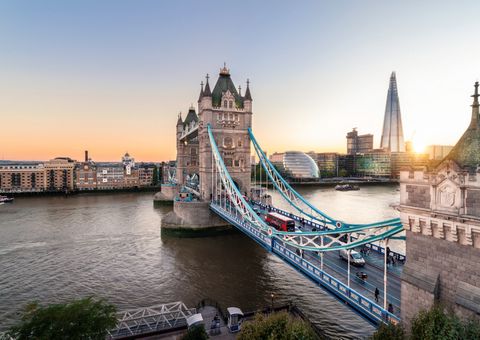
(279, 326)
(437, 323)
(196, 333)
(80, 319)
(390, 332)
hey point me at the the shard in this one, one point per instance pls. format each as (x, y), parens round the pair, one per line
(392, 135)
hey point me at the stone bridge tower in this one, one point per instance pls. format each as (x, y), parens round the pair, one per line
(230, 115)
(440, 210)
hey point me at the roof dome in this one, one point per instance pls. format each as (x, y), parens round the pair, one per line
(466, 153)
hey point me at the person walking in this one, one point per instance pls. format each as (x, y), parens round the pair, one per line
(390, 308)
(377, 292)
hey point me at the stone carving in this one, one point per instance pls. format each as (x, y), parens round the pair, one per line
(447, 196)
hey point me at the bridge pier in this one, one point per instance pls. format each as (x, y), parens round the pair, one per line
(166, 194)
(192, 219)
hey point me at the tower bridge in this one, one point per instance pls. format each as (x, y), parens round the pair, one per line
(214, 146)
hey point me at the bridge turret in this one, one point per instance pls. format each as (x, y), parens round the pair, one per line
(247, 99)
(206, 97)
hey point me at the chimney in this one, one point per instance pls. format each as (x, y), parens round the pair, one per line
(86, 156)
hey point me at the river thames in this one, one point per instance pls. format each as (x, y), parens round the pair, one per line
(53, 249)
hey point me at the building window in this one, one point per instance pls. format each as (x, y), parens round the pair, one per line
(224, 103)
(237, 163)
(239, 143)
(228, 162)
(230, 104)
(228, 142)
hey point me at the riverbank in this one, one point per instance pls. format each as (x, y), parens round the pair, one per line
(331, 182)
(81, 192)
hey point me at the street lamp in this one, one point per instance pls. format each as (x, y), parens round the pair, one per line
(272, 296)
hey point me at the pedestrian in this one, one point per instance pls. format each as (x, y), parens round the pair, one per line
(377, 292)
(390, 308)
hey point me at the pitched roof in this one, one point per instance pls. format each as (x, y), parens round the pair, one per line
(466, 153)
(207, 92)
(191, 116)
(224, 84)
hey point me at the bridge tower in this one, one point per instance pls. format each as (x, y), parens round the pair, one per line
(230, 115)
(440, 211)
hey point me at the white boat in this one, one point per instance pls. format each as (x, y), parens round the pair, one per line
(5, 199)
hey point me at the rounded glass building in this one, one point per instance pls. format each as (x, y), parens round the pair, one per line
(297, 165)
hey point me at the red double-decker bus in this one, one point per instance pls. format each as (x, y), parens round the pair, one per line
(280, 222)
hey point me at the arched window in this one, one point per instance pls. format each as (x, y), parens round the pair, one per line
(230, 104)
(239, 143)
(224, 103)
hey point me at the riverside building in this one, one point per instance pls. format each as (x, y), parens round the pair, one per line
(22, 177)
(59, 174)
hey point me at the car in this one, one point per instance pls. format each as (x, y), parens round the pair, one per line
(355, 257)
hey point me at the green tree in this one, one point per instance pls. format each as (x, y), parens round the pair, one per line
(196, 333)
(436, 323)
(390, 332)
(80, 319)
(278, 326)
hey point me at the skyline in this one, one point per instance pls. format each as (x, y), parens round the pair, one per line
(111, 77)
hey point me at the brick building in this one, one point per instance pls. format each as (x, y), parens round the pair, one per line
(22, 177)
(59, 173)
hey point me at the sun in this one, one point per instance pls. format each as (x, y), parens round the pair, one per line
(419, 147)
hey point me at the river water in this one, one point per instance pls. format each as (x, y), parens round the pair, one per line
(53, 249)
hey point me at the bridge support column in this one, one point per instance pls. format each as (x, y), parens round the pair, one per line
(193, 219)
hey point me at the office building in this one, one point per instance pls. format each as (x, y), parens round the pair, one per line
(358, 143)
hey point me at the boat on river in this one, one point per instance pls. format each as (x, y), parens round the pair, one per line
(5, 199)
(346, 187)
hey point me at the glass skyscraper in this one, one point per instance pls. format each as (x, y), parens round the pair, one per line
(392, 135)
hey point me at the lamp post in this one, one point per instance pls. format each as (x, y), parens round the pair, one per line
(272, 296)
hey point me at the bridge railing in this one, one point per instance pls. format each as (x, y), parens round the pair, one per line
(357, 300)
(151, 319)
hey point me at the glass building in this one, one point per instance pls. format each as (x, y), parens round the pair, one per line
(296, 165)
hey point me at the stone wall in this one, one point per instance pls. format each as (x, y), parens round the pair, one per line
(436, 268)
(418, 196)
(472, 202)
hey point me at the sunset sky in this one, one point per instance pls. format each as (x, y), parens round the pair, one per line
(111, 76)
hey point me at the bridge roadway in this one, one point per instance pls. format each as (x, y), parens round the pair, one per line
(338, 268)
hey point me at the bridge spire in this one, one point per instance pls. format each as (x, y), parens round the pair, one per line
(248, 96)
(475, 108)
(179, 120)
(207, 92)
(201, 92)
